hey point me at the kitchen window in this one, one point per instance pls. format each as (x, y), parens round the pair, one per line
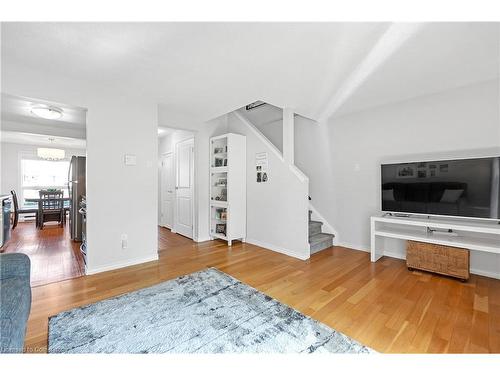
(39, 174)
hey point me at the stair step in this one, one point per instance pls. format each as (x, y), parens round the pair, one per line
(320, 242)
(320, 237)
(314, 227)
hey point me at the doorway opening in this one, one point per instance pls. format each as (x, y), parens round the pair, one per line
(39, 142)
(176, 186)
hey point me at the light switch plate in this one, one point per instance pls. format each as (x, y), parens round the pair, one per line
(130, 159)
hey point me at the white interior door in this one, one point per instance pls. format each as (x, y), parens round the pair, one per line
(183, 218)
(167, 190)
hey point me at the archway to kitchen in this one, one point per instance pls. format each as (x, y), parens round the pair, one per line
(43, 156)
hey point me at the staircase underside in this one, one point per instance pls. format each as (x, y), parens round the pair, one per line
(317, 239)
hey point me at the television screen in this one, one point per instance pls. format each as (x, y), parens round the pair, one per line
(465, 187)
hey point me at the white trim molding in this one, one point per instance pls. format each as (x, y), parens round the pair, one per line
(128, 263)
(278, 249)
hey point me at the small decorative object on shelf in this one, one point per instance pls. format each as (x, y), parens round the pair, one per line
(220, 214)
(222, 195)
(228, 187)
(221, 182)
(220, 229)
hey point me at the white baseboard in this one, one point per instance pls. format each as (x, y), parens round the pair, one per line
(130, 262)
(202, 239)
(278, 249)
(354, 247)
(493, 275)
(392, 254)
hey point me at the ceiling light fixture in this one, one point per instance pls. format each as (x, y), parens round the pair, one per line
(50, 153)
(47, 112)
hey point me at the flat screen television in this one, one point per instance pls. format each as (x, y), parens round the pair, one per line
(461, 188)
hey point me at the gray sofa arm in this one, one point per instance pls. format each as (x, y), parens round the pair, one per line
(14, 265)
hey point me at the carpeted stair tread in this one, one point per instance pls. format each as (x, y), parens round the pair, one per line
(314, 227)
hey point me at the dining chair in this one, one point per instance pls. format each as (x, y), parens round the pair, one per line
(51, 207)
(22, 210)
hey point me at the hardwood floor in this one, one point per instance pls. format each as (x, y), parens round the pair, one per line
(382, 304)
(54, 256)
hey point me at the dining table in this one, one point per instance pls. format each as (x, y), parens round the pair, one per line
(66, 205)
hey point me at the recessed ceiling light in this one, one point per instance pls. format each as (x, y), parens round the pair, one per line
(46, 112)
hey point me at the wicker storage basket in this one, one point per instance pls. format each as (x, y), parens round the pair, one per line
(446, 260)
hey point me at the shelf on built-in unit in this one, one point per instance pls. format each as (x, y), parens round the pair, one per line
(463, 240)
(218, 169)
(219, 235)
(475, 225)
(215, 203)
(221, 221)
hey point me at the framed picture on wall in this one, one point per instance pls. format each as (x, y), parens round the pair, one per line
(422, 173)
(433, 170)
(406, 171)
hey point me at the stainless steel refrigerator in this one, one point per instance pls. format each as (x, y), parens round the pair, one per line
(76, 190)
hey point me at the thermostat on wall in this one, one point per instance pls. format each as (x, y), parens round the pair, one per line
(130, 159)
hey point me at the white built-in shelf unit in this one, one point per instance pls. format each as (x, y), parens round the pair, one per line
(228, 187)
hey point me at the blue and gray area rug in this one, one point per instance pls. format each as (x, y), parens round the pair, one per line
(204, 312)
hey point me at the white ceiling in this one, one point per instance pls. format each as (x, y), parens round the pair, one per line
(19, 125)
(41, 140)
(18, 109)
(198, 71)
(439, 57)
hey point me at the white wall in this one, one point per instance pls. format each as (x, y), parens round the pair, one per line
(460, 122)
(274, 132)
(277, 210)
(313, 155)
(120, 199)
(11, 165)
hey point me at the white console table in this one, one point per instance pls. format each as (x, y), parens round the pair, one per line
(473, 235)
